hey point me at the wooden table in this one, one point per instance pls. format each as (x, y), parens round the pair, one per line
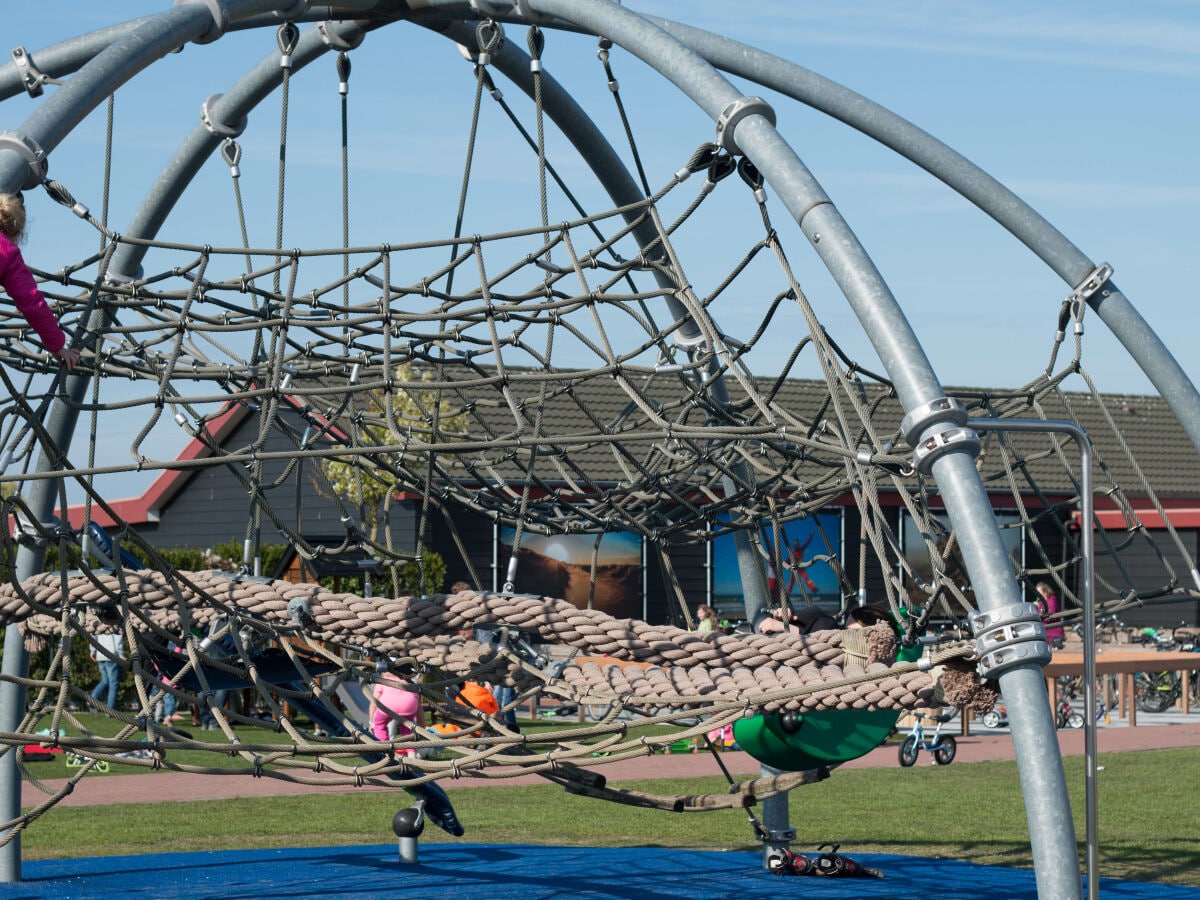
(1123, 663)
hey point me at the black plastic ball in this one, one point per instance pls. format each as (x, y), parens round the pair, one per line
(409, 822)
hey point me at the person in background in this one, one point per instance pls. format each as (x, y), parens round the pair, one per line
(1048, 605)
(18, 283)
(165, 702)
(473, 694)
(785, 619)
(394, 709)
(503, 695)
(108, 663)
(706, 618)
(506, 696)
(866, 616)
(478, 695)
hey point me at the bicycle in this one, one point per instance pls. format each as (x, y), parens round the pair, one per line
(1187, 640)
(1066, 717)
(1156, 692)
(941, 746)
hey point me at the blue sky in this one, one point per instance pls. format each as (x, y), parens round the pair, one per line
(1089, 111)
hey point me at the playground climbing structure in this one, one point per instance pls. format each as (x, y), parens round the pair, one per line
(574, 363)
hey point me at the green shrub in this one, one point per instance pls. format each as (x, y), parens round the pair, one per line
(435, 574)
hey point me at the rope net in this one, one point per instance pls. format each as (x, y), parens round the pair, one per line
(558, 379)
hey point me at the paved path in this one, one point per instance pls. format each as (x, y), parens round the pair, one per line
(979, 746)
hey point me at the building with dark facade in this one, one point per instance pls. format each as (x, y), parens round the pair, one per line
(628, 576)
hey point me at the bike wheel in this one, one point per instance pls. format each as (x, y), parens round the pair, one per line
(1075, 720)
(1154, 693)
(943, 753)
(908, 751)
(1154, 702)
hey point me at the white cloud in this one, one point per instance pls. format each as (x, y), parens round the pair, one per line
(1155, 38)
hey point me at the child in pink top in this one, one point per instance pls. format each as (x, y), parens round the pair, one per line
(390, 694)
(18, 283)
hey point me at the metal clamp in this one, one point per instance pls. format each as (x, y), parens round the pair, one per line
(299, 8)
(300, 612)
(490, 7)
(690, 343)
(732, 114)
(928, 451)
(27, 148)
(216, 127)
(1092, 282)
(1008, 637)
(341, 36)
(220, 20)
(113, 278)
(31, 78)
(531, 15)
(943, 409)
(29, 534)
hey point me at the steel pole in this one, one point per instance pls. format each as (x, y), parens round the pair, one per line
(1088, 592)
(746, 126)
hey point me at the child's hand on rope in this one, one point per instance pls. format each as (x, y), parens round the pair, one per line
(67, 356)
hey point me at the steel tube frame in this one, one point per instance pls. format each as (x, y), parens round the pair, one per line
(133, 48)
(243, 98)
(974, 184)
(663, 47)
(1039, 762)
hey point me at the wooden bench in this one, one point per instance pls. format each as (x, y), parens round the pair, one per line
(1123, 663)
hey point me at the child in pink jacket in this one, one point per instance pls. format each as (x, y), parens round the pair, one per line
(18, 283)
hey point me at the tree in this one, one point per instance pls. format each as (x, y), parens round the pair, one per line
(369, 481)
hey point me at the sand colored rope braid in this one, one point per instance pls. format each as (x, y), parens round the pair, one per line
(706, 696)
(688, 681)
(725, 666)
(385, 625)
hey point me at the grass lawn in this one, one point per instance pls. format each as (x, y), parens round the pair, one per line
(1149, 817)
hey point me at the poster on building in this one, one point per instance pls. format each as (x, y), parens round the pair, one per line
(804, 575)
(560, 565)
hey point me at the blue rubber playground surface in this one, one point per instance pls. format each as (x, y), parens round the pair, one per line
(521, 872)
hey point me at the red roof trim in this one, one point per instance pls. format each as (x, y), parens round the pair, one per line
(146, 508)
(1180, 517)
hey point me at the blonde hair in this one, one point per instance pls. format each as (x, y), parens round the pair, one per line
(12, 216)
